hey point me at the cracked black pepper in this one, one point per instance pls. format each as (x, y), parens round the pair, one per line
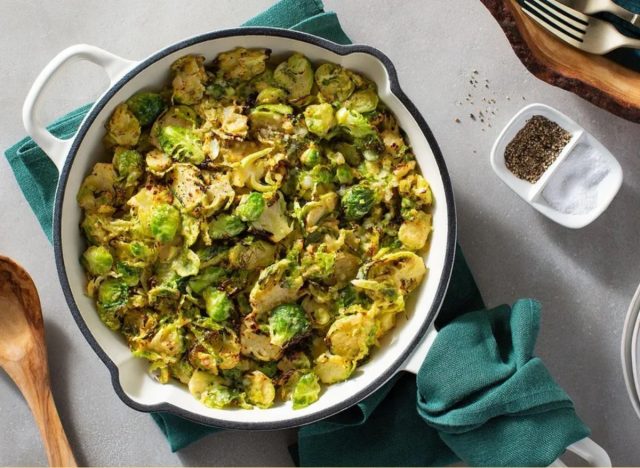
(535, 147)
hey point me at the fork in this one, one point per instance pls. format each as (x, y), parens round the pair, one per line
(591, 7)
(577, 29)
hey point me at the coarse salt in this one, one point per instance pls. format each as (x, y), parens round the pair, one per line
(575, 185)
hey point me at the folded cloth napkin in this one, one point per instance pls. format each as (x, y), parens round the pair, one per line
(480, 395)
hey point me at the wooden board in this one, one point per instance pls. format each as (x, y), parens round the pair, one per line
(595, 78)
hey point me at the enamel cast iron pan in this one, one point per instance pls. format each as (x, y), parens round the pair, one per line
(403, 349)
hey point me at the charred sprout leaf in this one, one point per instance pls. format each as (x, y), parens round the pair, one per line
(123, 128)
(274, 219)
(286, 323)
(146, 106)
(188, 78)
(212, 275)
(97, 260)
(357, 201)
(295, 75)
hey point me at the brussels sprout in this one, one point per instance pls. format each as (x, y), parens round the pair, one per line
(351, 335)
(182, 144)
(200, 381)
(354, 123)
(276, 284)
(274, 219)
(187, 186)
(97, 260)
(319, 119)
(97, 192)
(212, 275)
(334, 82)
(218, 305)
(168, 341)
(165, 222)
(258, 254)
(186, 264)
(226, 226)
(344, 174)
(287, 322)
(255, 343)
(270, 369)
(158, 162)
(188, 78)
(123, 129)
(260, 389)
(112, 294)
(311, 157)
(319, 265)
(349, 153)
(146, 106)
(271, 96)
(242, 64)
(415, 232)
(251, 207)
(331, 368)
(363, 101)
(182, 370)
(403, 269)
(140, 250)
(128, 274)
(218, 396)
(128, 165)
(295, 75)
(306, 391)
(357, 201)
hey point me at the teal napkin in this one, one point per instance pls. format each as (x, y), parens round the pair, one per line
(480, 396)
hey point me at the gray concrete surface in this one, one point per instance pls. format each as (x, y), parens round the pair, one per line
(585, 279)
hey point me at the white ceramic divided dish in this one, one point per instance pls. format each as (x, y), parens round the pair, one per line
(532, 193)
(76, 158)
(627, 351)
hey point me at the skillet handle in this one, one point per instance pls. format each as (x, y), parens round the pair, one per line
(56, 148)
(589, 451)
(413, 362)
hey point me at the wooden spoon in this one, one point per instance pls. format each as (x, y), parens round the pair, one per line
(23, 356)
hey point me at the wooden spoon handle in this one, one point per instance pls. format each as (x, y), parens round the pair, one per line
(35, 387)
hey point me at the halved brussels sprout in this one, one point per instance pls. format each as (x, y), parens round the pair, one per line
(251, 256)
(357, 201)
(112, 293)
(98, 260)
(334, 82)
(165, 222)
(331, 368)
(415, 232)
(242, 64)
(354, 123)
(218, 305)
(363, 101)
(320, 119)
(251, 207)
(306, 391)
(295, 75)
(276, 285)
(182, 144)
(351, 335)
(128, 165)
(146, 106)
(260, 389)
(403, 269)
(123, 128)
(226, 226)
(271, 96)
(188, 78)
(287, 323)
(273, 219)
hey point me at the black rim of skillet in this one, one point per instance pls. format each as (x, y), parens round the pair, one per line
(350, 400)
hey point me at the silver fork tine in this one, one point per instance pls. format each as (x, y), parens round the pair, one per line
(574, 14)
(570, 23)
(551, 25)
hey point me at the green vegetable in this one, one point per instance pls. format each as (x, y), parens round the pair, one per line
(128, 165)
(320, 119)
(129, 275)
(146, 106)
(310, 157)
(251, 207)
(226, 226)
(182, 144)
(286, 323)
(212, 275)
(165, 222)
(98, 260)
(344, 174)
(306, 391)
(362, 101)
(334, 82)
(295, 75)
(271, 96)
(218, 305)
(112, 294)
(357, 201)
(354, 123)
